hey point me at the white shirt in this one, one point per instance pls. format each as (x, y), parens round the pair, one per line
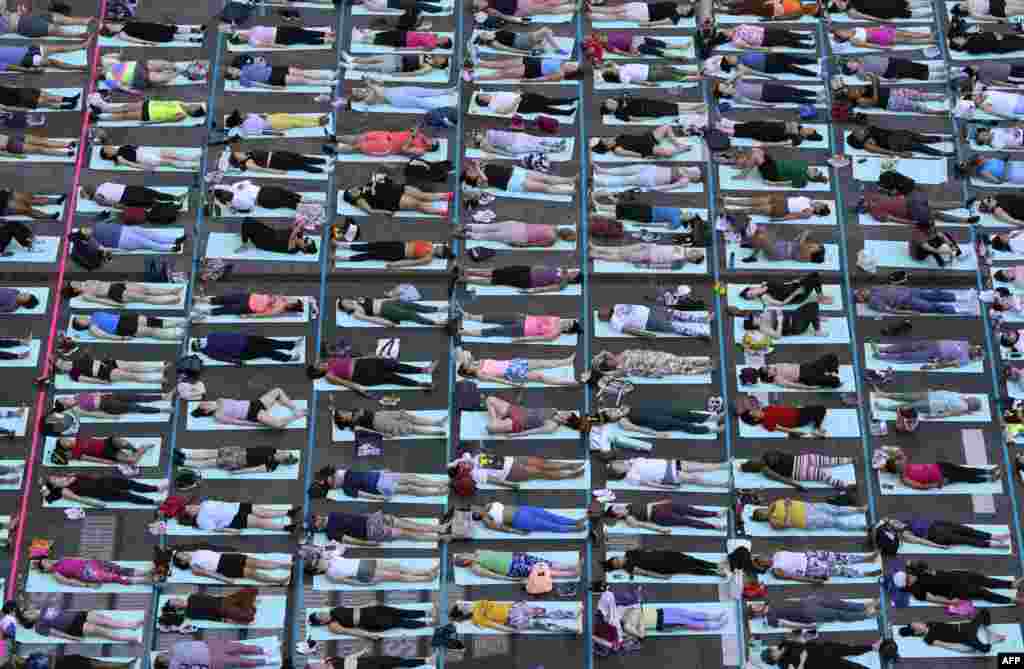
(795, 205)
(109, 191)
(499, 100)
(1003, 138)
(214, 515)
(339, 567)
(647, 470)
(630, 316)
(244, 195)
(633, 72)
(205, 560)
(148, 155)
(496, 511)
(794, 564)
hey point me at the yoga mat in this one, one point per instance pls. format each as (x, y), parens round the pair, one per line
(559, 245)
(87, 337)
(548, 197)
(28, 158)
(98, 163)
(365, 47)
(189, 122)
(30, 636)
(766, 107)
(601, 85)
(44, 250)
(842, 17)
(323, 584)
(483, 533)
(474, 427)
(282, 473)
(294, 132)
(323, 385)
(61, 92)
(348, 436)
(322, 633)
(338, 495)
(621, 529)
(155, 496)
(13, 463)
(688, 188)
(869, 221)
(64, 382)
(262, 212)
(68, 58)
(760, 626)
(562, 340)
(730, 180)
(618, 430)
(177, 232)
(891, 485)
(271, 645)
(721, 17)
(689, 579)
(745, 480)
(320, 538)
(820, 128)
(603, 330)
(894, 254)
(236, 87)
(907, 548)
(984, 415)
(684, 24)
(719, 479)
(848, 49)
(572, 289)
(185, 576)
(579, 483)
(932, 105)
(609, 267)
(959, 56)
(831, 264)
(55, 210)
(40, 582)
(963, 296)
(830, 220)
(269, 614)
(258, 362)
(560, 157)
(832, 291)
(839, 423)
(440, 154)
(476, 110)
(466, 577)
(837, 331)
(914, 647)
(290, 317)
(208, 423)
(293, 175)
(871, 361)
(17, 423)
(86, 206)
(225, 245)
(435, 76)
(557, 372)
(572, 625)
(756, 529)
(980, 183)
(673, 42)
(83, 304)
(845, 374)
(694, 152)
(730, 48)
(176, 529)
(31, 361)
(150, 459)
(341, 262)
(566, 44)
(769, 579)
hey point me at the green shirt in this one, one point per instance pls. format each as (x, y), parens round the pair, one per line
(495, 561)
(794, 171)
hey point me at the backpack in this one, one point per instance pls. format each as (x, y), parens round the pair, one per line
(87, 253)
(889, 651)
(539, 581)
(190, 367)
(717, 141)
(462, 524)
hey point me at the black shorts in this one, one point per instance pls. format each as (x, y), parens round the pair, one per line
(127, 325)
(5, 198)
(241, 519)
(255, 407)
(77, 628)
(278, 76)
(516, 276)
(28, 98)
(116, 291)
(110, 450)
(33, 51)
(232, 565)
(532, 68)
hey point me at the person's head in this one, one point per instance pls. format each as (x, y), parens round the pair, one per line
(232, 73)
(572, 274)
(817, 175)
(1001, 243)
(618, 469)
(752, 416)
(816, 252)
(234, 119)
(61, 453)
(862, 295)
(358, 95)
(80, 323)
(915, 628)
(958, 41)
(616, 512)
(960, 9)
(461, 611)
(761, 562)
(161, 661)
(319, 489)
(1009, 338)
(754, 292)
(729, 63)
(443, 251)
(570, 419)
(108, 152)
(571, 326)
(604, 145)
(344, 419)
(182, 559)
(821, 209)
(685, 9)
(348, 305)
(904, 579)
(605, 313)
(761, 514)
(484, 99)
(751, 466)
(894, 465)
(318, 522)
(27, 300)
(572, 71)
(222, 195)
(840, 35)
(315, 564)
(204, 409)
(983, 136)
(44, 565)
(438, 62)
(484, 38)
(695, 256)
(464, 559)
(196, 111)
(309, 246)
(808, 133)
(611, 75)
(609, 106)
(319, 618)
(772, 655)
(751, 323)
(757, 608)
(468, 369)
(614, 564)
(237, 38)
(317, 370)
(567, 234)
(857, 137)
(852, 66)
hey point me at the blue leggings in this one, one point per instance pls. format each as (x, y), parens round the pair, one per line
(413, 97)
(535, 519)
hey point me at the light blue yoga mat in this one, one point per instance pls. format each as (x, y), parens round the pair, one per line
(846, 375)
(672, 42)
(185, 576)
(325, 386)
(572, 625)
(98, 163)
(83, 304)
(341, 262)
(620, 529)
(821, 129)
(40, 293)
(547, 197)
(13, 463)
(208, 423)
(756, 529)
(689, 579)
(31, 361)
(466, 577)
(288, 317)
(62, 93)
(28, 636)
(31, 158)
(704, 607)
(601, 85)
(604, 330)
(565, 44)
(688, 188)
(673, 380)
(760, 626)
(434, 76)
(270, 611)
(338, 495)
(719, 480)
(150, 459)
(891, 485)
(742, 480)
(39, 582)
(836, 331)
(300, 348)
(984, 415)
(157, 497)
(684, 24)
(962, 297)
(346, 209)
(320, 538)
(474, 426)
(579, 483)
(17, 423)
(482, 533)
(132, 417)
(748, 18)
(617, 430)
(907, 548)
(476, 110)
(449, 101)
(729, 180)
(915, 647)
(362, 10)
(572, 290)
(692, 152)
(322, 633)
(44, 250)
(348, 436)
(609, 267)
(766, 107)
(176, 529)
(167, 232)
(687, 118)
(188, 122)
(560, 157)
(278, 48)
(120, 43)
(562, 340)
(283, 472)
(85, 206)
(262, 212)
(271, 645)
(559, 245)
(921, 162)
(225, 245)
(894, 254)
(839, 423)
(829, 290)
(730, 48)
(848, 49)
(323, 584)
(871, 361)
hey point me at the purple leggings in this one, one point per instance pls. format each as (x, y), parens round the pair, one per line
(674, 515)
(915, 351)
(134, 239)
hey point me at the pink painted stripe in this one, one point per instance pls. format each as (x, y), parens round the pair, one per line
(976, 455)
(69, 215)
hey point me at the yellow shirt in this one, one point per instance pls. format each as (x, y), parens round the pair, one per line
(162, 111)
(649, 617)
(797, 513)
(486, 612)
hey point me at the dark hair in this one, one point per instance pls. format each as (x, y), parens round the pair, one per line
(32, 302)
(313, 620)
(170, 615)
(818, 256)
(234, 119)
(348, 197)
(958, 10)
(601, 147)
(1000, 243)
(1001, 275)
(575, 328)
(718, 39)
(749, 323)
(907, 630)
(726, 66)
(309, 247)
(748, 418)
(318, 490)
(314, 372)
(856, 138)
(195, 346)
(75, 324)
(198, 112)
(69, 290)
(199, 412)
(457, 615)
(611, 77)
(609, 565)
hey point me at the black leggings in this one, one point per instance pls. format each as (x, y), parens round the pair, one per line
(14, 232)
(532, 103)
(803, 288)
(233, 304)
(123, 403)
(383, 618)
(386, 662)
(276, 197)
(960, 474)
(123, 490)
(774, 37)
(900, 68)
(798, 321)
(782, 94)
(296, 162)
(972, 585)
(7, 342)
(265, 347)
(691, 565)
(140, 196)
(394, 38)
(653, 47)
(955, 534)
(783, 63)
(384, 371)
(417, 5)
(288, 35)
(386, 251)
(821, 372)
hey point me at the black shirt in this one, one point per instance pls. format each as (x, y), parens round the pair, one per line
(630, 107)
(203, 607)
(643, 144)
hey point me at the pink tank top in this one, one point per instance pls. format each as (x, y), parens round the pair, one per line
(539, 233)
(494, 367)
(749, 34)
(542, 326)
(259, 303)
(420, 40)
(341, 367)
(71, 568)
(927, 473)
(238, 409)
(89, 401)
